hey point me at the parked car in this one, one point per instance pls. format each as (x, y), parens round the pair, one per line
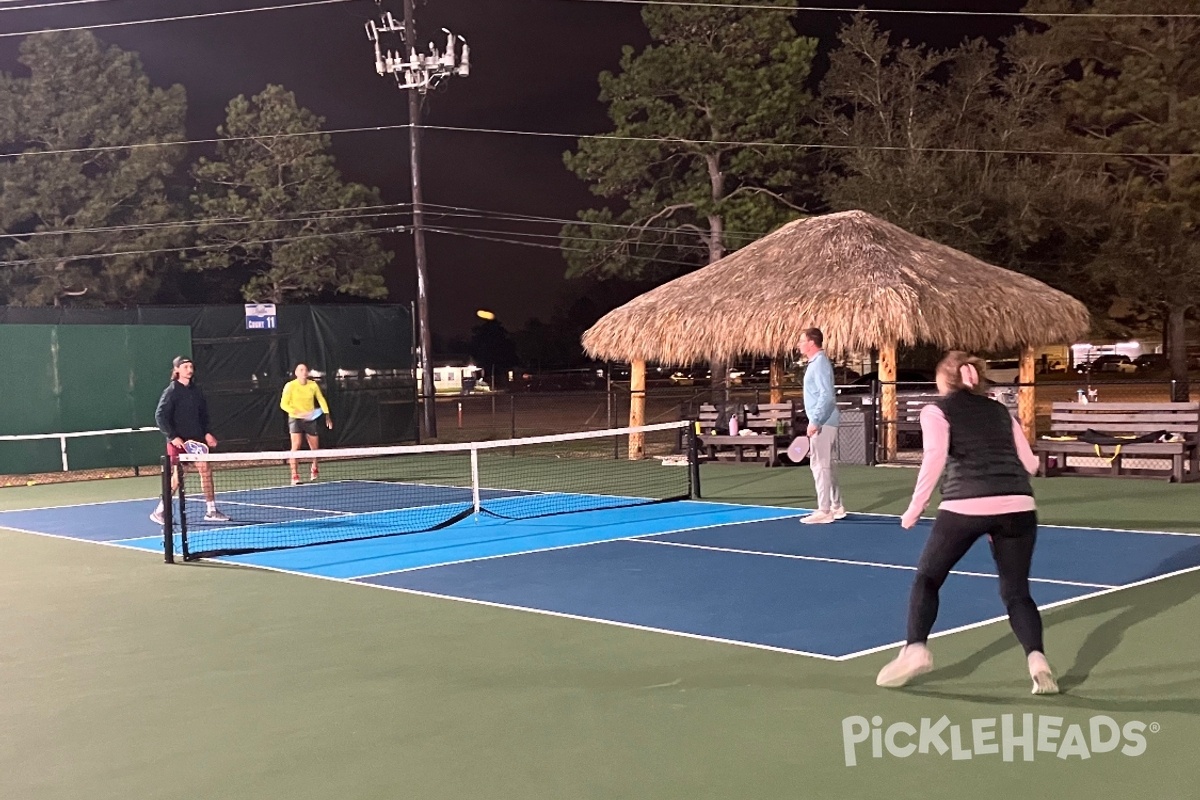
(1152, 363)
(1110, 362)
(1005, 371)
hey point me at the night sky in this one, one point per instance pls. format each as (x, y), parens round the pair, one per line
(534, 67)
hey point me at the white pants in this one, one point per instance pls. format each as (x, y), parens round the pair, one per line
(824, 468)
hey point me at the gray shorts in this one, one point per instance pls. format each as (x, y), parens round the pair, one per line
(305, 426)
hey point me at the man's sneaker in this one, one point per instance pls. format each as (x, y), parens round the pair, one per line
(817, 518)
(839, 512)
(215, 516)
(157, 516)
(914, 660)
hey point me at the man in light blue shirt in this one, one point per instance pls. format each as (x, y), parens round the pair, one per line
(820, 404)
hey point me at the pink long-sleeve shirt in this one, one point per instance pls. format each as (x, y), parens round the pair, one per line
(935, 433)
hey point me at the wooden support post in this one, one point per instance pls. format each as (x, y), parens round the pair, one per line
(637, 409)
(887, 400)
(778, 371)
(1027, 395)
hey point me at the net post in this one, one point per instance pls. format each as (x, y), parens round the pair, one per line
(168, 516)
(183, 532)
(62, 444)
(475, 501)
(693, 457)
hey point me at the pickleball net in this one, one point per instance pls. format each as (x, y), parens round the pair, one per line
(376, 492)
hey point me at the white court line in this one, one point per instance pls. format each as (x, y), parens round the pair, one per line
(568, 546)
(1055, 526)
(358, 581)
(527, 609)
(471, 601)
(206, 530)
(159, 496)
(821, 656)
(78, 505)
(195, 498)
(107, 542)
(854, 563)
(792, 509)
(1056, 604)
(614, 623)
(286, 508)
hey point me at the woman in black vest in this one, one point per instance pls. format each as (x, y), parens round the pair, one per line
(985, 491)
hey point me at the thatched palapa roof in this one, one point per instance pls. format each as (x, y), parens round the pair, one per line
(865, 282)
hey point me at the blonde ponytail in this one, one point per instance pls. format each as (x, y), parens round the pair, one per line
(963, 371)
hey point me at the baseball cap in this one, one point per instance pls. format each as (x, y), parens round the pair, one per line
(180, 361)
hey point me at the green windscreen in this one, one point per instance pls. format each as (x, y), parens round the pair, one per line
(78, 378)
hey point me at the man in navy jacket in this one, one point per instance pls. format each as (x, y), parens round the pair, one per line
(182, 416)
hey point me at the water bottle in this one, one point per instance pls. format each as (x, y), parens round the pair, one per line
(733, 426)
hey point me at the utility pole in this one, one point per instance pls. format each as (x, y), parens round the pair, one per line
(417, 74)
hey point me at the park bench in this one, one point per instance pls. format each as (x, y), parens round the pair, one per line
(770, 429)
(908, 414)
(910, 404)
(1094, 439)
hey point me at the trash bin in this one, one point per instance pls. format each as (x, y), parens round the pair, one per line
(856, 434)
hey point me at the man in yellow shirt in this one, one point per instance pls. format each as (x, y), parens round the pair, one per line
(304, 404)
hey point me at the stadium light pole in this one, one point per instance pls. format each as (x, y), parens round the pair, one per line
(417, 74)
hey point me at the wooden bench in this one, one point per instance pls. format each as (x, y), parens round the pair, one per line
(910, 404)
(1177, 460)
(908, 412)
(763, 420)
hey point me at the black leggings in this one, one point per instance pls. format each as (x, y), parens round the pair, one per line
(1012, 539)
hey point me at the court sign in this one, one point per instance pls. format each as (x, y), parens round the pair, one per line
(260, 316)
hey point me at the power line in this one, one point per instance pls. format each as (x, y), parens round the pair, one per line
(70, 151)
(904, 11)
(672, 3)
(534, 236)
(366, 212)
(501, 216)
(54, 4)
(645, 139)
(328, 214)
(180, 18)
(159, 251)
(501, 240)
(814, 145)
(382, 210)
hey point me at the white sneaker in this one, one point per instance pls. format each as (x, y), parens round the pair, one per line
(157, 516)
(1042, 675)
(215, 516)
(818, 518)
(914, 660)
(839, 512)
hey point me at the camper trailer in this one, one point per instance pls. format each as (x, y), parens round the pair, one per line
(455, 379)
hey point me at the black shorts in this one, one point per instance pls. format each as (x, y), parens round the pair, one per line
(305, 426)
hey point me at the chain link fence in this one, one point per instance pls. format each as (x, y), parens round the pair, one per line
(862, 434)
(912, 397)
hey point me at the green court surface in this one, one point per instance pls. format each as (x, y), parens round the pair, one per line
(123, 677)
